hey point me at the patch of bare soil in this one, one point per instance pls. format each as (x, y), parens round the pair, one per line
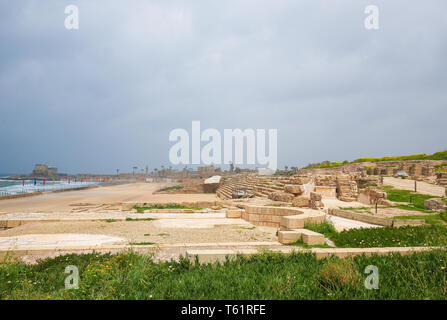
(190, 186)
(395, 212)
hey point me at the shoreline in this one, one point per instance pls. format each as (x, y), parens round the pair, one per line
(31, 194)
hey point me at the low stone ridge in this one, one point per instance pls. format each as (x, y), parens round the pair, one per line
(207, 256)
(364, 217)
(129, 205)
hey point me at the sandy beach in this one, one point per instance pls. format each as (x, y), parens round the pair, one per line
(102, 198)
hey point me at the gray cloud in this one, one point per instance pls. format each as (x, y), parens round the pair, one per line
(107, 96)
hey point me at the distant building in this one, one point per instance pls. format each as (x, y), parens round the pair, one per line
(43, 170)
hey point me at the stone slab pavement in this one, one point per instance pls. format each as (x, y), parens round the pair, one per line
(341, 224)
(57, 241)
(201, 220)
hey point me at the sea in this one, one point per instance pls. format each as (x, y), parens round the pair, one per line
(11, 187)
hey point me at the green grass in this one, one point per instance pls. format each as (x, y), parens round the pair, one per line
(172, 188)
(423, 236)
(435, 219)
(141, 243)
(410, 207)
(442, 165)
(144, 219)
(325, 228)
(266, 276)
(168, 206)
(436, 156)
(111, 220)
(416, 199)
(300, 243)
(430, 235)
(247, 228)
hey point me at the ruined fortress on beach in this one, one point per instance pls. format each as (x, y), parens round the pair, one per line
(43, 170)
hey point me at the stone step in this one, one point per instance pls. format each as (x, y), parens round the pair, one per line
(307, 236)
(298, 221)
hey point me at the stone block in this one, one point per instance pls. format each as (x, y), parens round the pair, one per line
(311, 238)
(315, 196)
(281, 196)
(293, 222)
(234, 213)
(13, 223)
(295, 189)
(408, 222)
(327, 191)
(315, 218)
(301, 201)
(286, 237)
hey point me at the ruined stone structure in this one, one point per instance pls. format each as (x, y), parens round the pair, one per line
(206, 172)
(315, 201)
(43, 170)
(441, 179)
(412, 168)
(341, 184)
(372, 196)
(294, 189)
(435, 204)
(346, 188)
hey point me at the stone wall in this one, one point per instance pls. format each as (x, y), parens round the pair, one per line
(267, 216)
(363, 217)
(371, 196)
(346, 188)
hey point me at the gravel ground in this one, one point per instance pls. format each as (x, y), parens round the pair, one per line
(148, 231)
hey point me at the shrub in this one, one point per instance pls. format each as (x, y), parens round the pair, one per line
(436, 156)
(337, 274)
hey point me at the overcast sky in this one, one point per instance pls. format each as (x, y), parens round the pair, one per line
(107, 95)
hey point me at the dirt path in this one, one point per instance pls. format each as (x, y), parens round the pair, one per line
(407, 184)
